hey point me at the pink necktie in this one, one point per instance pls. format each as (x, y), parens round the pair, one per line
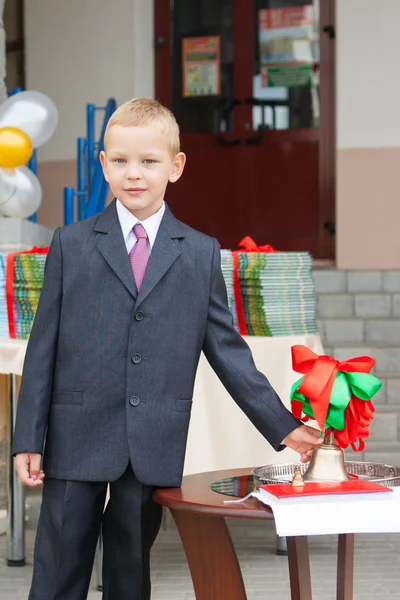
(139, 255)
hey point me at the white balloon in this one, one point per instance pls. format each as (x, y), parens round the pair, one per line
(33, 112)
(20, 192)
(8, 184)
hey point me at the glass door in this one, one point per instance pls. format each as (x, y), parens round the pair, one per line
(286, 64)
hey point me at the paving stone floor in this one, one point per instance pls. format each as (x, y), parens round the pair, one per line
(377, 564)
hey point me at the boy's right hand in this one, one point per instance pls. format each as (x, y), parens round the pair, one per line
(304, 440)
(27, 465)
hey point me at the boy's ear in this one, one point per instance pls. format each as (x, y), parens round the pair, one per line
(104, 164)
(179, 165)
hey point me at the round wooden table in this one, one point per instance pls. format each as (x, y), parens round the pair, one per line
(199, 514)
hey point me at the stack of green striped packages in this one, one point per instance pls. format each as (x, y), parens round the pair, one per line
(28, 281)
(278, 293)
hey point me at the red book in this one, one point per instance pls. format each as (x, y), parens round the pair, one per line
(311, 488)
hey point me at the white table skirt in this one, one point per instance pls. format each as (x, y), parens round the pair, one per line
(12, 356)
(220, 435)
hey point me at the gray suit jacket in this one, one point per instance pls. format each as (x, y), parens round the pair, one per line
(109, 372)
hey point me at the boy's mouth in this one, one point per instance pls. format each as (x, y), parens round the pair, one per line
(135, 191)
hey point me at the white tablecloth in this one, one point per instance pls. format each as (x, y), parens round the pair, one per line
(220, 435)
(12, 355)
(377, 512)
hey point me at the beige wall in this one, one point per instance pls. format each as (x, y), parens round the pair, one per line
(368, 134)
(368, 184)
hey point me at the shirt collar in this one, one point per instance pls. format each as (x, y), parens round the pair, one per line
(128, 220)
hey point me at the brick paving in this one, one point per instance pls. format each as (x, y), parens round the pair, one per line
(377, 564)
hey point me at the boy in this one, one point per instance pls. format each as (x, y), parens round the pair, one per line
(130, 298)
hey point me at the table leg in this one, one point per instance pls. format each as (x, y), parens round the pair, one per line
(16, 495)
(211, 556)
(281, 546)
(299, 568)
(345, 567)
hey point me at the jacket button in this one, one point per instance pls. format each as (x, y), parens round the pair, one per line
(139, 316)
(134, 401)
(136, 358)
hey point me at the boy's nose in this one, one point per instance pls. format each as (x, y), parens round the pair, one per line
(133, 172)
(133, 175)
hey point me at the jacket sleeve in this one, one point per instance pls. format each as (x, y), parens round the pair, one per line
(232, 361)
(35, 393)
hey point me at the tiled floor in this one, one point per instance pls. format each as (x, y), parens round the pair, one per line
(377, 565)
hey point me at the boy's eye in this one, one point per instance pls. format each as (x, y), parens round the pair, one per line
(149, 161)
(119, 160)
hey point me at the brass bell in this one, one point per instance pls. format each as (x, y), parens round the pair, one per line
(327, 462)
(297, 480)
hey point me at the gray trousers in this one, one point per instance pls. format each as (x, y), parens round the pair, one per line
(71, 516)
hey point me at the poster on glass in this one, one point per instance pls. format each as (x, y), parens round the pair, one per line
(201, 66)
(287, 46)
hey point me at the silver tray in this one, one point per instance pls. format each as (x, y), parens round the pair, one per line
(386, 475)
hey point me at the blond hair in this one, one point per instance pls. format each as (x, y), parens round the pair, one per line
(142, 111)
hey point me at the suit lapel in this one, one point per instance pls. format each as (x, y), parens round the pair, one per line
(112, 247)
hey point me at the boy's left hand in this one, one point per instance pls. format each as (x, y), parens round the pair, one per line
(303, 440)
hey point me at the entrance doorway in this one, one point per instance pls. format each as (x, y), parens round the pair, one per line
(251, 83)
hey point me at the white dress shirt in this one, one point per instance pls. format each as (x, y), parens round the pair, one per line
(127, 221)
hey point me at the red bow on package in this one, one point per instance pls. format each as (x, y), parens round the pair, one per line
(247, 244)
(10, 285)
(337, 394)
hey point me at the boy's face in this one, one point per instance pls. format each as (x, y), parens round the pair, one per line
(138, 166)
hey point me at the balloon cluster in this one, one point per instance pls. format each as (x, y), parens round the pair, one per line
(27, 120)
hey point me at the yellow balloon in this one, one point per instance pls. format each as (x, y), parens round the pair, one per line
(15, 147)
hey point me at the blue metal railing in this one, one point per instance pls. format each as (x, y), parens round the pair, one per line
(32, 164)
(91, 192)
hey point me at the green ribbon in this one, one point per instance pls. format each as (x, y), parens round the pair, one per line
(362, 385)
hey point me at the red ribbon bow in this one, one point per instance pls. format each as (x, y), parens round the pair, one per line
(247, 244)
(10, 285)
(319, 375)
